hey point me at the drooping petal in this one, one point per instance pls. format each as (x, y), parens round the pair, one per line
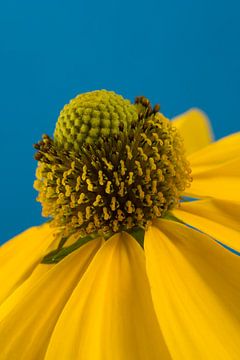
(110, 315)
(28, 316)
(195, 129)
(216, 170)
(219, 219)
(196, 292)
(20, 256)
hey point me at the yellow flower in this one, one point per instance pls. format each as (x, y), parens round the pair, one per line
(174, 296)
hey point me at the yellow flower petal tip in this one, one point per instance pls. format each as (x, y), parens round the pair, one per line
(195, 129)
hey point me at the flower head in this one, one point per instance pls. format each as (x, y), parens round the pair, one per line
(117, 182)
(81, 287)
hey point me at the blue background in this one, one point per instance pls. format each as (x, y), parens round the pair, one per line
(179, 53)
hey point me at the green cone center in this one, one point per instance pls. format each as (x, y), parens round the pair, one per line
(90, 116)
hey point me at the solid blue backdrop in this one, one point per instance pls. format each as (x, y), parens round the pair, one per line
(179, 53)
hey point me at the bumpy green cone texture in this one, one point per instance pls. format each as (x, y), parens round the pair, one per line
(90, 116)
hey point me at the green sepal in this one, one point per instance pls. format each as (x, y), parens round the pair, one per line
(138, 234)
(60, 253)
(170, 216)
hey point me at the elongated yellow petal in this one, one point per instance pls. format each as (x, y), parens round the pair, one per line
(195, 129)
(20, 256)
(196, 292)
(219, 219)
(220, 182)
(28, 316)
(217, 153)
(216, 170)
(110, 314)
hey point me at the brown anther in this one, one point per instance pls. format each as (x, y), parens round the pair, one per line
(156, 108)
(133, 125)
(38, 156)
(145, 102)
(45, 137)
(36, 146)
(47, 141)
(121, 126)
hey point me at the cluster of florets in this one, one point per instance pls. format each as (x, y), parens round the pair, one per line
(118, 182)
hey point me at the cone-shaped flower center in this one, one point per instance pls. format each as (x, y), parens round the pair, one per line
(91, 115)
(111, 166)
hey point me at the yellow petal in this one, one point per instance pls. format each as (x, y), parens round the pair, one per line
(196, 292)
(195, 129)
(217, 153)
(20, 256)
(219, 219)
(216, 170)
(110, 314)
(28, 316)
(220, 182)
